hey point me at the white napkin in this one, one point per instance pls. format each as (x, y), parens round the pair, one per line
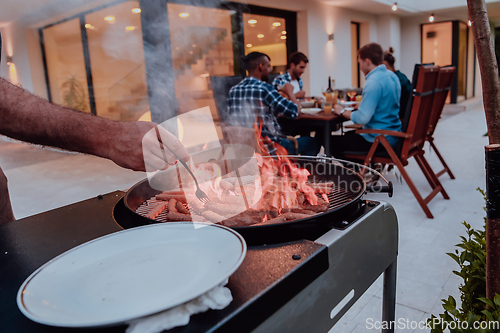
(216, 299)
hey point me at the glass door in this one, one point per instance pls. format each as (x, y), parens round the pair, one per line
(444, 44)
(202, 46)
(65, 65)
(117, 62)
(267, 34)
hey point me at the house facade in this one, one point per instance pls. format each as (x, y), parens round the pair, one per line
(153, 59)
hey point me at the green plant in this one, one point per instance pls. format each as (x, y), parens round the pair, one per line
(476, 313)
(74, 95)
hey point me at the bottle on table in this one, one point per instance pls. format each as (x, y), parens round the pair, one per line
(329, 89)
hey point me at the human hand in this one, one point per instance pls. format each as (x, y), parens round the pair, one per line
(135, 145)
(337, 108)
(300, 94)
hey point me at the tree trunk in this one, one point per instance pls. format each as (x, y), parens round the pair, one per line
(487, 65)
(491, 89)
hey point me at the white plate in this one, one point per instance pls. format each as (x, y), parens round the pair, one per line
(131, 274)
(311, 110)
(347, 103)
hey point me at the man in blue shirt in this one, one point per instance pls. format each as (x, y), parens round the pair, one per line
(379, 108)
(253, 100)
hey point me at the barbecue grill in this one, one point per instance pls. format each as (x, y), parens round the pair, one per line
(345, 199)
(300, 276)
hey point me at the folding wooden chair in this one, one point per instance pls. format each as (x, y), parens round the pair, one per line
(412, 140)
(443, 87)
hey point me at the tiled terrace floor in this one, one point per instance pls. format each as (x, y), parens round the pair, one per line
(42, 179)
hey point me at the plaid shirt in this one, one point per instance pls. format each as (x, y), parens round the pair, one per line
(285, 78)
(252, 99)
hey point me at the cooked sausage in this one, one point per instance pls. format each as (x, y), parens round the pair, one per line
(211, 216)
(167, 197)
(157, 209)
(171, 206)
(174, 216)
(181, 209)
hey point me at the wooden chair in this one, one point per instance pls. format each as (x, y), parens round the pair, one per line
(443, 87)
(220, 86)
(412, 140)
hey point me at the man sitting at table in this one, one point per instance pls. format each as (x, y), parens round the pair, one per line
(253, 98)
(297, 64)
(379, 108)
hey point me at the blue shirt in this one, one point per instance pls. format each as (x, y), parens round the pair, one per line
(252, 99)
(285, 78)
(379, 108)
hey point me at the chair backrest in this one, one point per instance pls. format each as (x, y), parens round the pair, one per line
(443, 87)
(409, 105)
(423, 97)
(221, 86)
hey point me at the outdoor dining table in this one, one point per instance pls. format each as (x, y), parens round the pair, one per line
(327, 122)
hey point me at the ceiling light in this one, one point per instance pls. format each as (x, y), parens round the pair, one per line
(252, 21)
(276, 24)
(130, 28)
(183, 15)
(283, 37)
(395, 6)
(109, 18)
(260, 36)
(249, 45)
(136, 10)
(470, 23)
(205, 75)
(284, 32)
(89, 26)
(431, 18)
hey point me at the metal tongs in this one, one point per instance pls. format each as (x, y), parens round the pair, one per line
(199, 192)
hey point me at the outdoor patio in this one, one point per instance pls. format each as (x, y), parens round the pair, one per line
(42, 179)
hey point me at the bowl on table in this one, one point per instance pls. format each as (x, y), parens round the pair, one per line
(307, 104)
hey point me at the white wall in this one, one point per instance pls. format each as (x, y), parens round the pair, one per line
(14, 37)
(389, 33)
(411, 48)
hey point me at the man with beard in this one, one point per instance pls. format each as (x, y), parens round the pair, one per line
(253, 99)
(296, 66)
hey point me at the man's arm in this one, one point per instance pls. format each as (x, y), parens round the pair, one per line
(300, 94)
(371, 97)
(32, 119)
(281, 105)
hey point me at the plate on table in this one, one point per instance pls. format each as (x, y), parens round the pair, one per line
(311, 110)
(131, 274)
(347, 103)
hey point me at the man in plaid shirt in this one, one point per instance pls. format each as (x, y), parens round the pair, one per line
(253, 100)
(296, 66)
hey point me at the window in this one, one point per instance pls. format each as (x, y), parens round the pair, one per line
(66, 65)
(117, 61)
(202, 46)
(268, 35)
